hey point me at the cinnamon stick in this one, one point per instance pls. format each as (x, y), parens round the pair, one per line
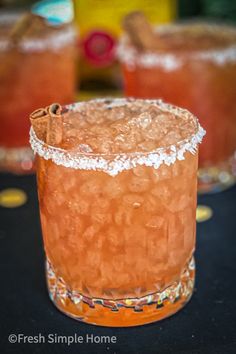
(48, 124)
(139, 31)
(39, 122)
(55, 124)
(28, 24)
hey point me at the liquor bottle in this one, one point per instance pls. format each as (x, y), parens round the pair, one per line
(99, 23)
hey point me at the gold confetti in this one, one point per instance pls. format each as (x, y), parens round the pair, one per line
(12, 198)
(204, 213)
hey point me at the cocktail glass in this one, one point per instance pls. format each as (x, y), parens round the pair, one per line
(194, 69)
(38, 70)
(119, 228)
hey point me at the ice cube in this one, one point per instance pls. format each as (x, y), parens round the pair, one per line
(101, 218)
(140, 171)
(176, 169)
(137, 184)
(91, 188)
(91, 231)
(135, 236)
(100, 204)
(162, 173)
(94, 117)
(157, 250)
(175, 233)
(123, 216)
(113, 188)
(119, 128)
(147, 146)
(179, 203)
(92, 258)
(155, 222)
(163, 192)
(152, 204)
(80, 206)
(85, 148)
(69, 185)
(133, 200)
(106, 146)
(113, 237)
(172, 137)
(187, 218)
(101, 131)
(141, 121)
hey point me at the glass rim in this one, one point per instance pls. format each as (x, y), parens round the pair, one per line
(169, 60)
(113, 163)
(53, 41)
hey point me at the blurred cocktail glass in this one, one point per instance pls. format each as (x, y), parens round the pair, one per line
(193, 66)
(117, 182)
(37, 66)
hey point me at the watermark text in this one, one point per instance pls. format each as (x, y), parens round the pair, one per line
(54, 338)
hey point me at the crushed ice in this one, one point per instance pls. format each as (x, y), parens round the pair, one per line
(114, 164)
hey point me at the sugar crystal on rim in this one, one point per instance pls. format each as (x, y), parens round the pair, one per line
(171, 60)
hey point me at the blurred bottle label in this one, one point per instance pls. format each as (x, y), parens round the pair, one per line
(56, 12)
(98, 48)
(99, 22)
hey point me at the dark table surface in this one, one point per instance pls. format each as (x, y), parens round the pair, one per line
(206, 325)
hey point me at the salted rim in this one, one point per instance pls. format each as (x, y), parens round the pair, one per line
(54, 41)
(113, 164)
(170, 62)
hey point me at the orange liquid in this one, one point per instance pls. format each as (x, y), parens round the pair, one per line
(121, 237)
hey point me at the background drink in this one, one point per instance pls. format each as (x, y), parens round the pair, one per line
(32, 73)
(119, 236)
(196, 70)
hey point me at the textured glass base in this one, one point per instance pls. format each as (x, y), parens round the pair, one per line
(121, 312)
(16, 160)
(217, 179)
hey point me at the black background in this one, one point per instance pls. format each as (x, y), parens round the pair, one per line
(206, 325)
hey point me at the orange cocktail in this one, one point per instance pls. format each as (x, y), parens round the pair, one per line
(117, 184)
(33, 66)
(194, 68)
